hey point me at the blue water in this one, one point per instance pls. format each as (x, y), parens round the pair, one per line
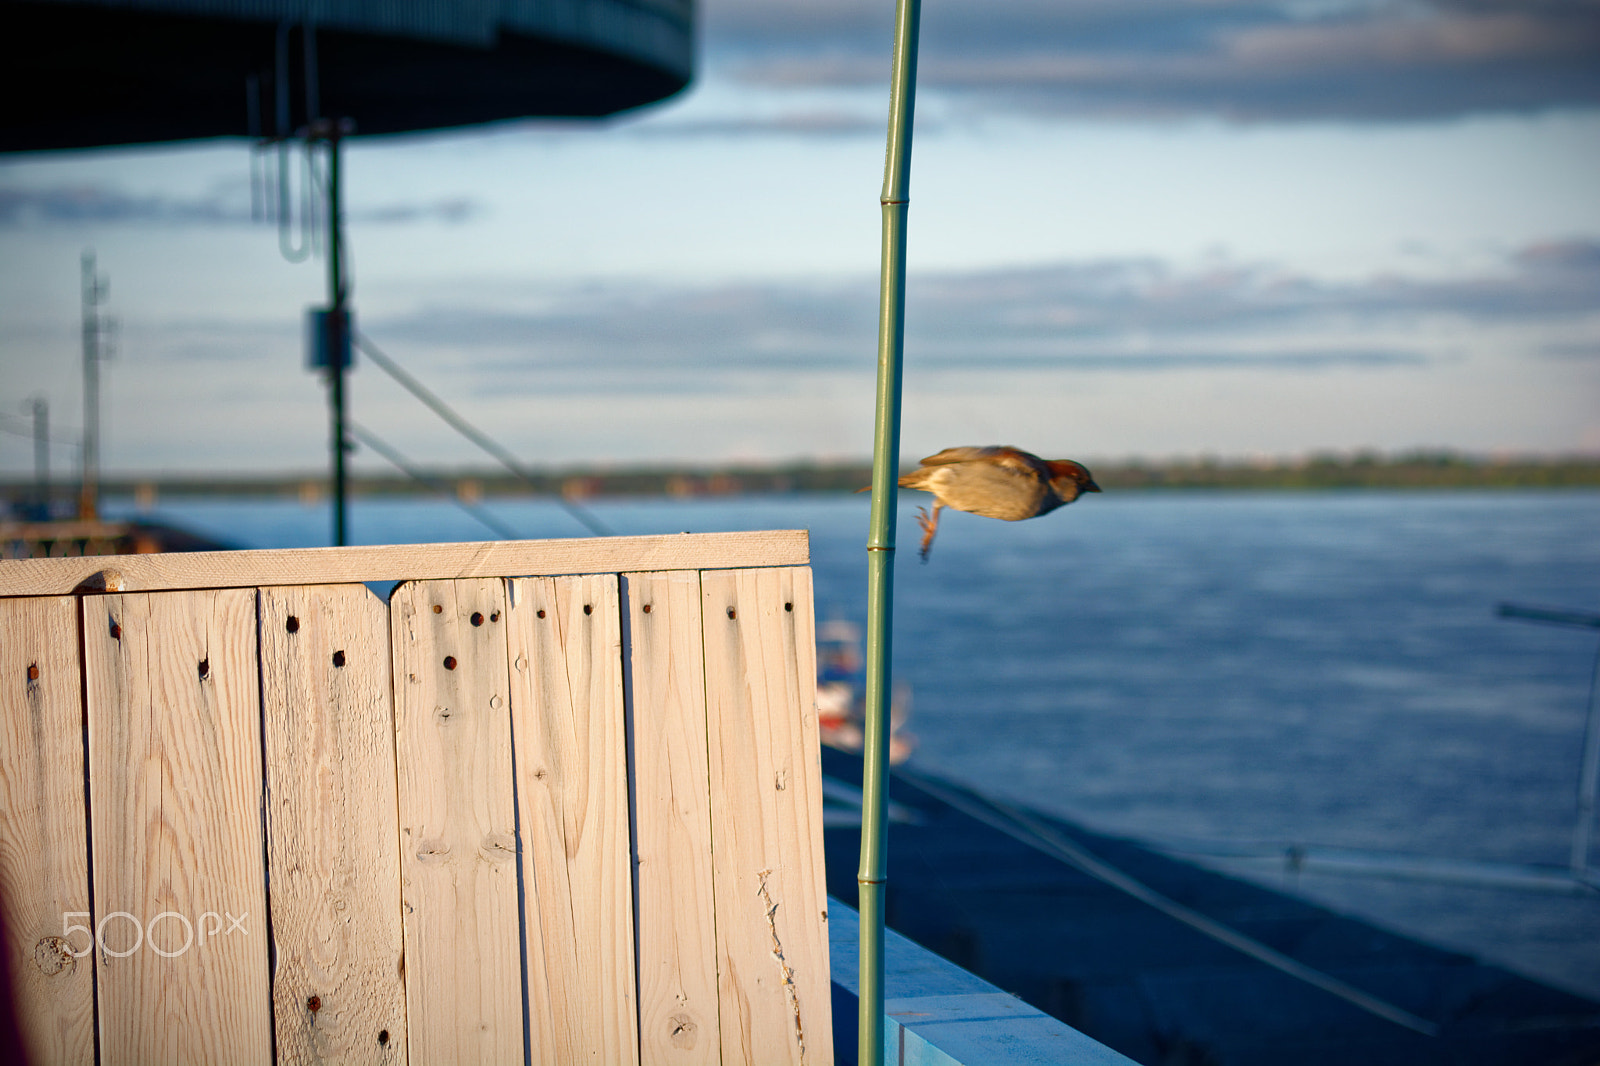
(1320, 669)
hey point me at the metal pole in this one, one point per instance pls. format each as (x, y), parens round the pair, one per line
(872, 876)
(1588, 778)
(338, 329)
(41, 456)
(93, 292)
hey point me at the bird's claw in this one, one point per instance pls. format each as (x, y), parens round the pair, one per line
(930, 526)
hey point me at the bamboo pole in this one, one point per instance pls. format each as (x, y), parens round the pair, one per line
(872, 875)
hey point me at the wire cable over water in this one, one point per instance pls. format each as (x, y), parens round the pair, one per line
(1021, 826)
(366, 437)
(471, 432)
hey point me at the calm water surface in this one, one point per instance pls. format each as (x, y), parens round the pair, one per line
(1320, 669)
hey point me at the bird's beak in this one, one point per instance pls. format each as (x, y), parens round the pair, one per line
(1090, 486)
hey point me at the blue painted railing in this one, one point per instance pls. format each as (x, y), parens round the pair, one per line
(937, 1014)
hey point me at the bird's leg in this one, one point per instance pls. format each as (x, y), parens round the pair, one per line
(930, 526)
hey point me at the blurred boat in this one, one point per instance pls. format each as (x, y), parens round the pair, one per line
(841, 689)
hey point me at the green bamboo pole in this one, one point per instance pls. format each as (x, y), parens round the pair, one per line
(872, 876)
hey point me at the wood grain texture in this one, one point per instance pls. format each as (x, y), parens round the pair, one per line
(766, 817)
(175, 812)
(332, 566)
(44, 874)
(458, 846)
(567, 714)
(332, 833)
(678, 1022)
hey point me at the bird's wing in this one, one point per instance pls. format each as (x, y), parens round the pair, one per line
(1016, 458)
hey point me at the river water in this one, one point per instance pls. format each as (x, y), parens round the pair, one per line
(1240, 669)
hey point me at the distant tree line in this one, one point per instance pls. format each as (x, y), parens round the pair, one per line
(1369, 470)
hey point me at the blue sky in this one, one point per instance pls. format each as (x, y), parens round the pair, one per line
(1182, 227)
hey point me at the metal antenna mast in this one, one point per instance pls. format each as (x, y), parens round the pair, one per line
(95, 328)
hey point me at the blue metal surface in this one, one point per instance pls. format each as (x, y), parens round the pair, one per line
(937, 1014)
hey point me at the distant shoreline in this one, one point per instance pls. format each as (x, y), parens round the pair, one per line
(1416, 471)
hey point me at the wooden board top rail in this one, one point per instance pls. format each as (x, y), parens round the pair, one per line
(395, 562)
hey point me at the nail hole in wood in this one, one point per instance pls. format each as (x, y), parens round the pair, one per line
(383, 1036)
(116, 630)
(292, 624)
(495, 617)
(647, 608)
(788, 607)
(588, 608)
(732, 613)
(477, 618)
(438, 609)
(33, 671)
(449, 662)
(541, 612)
(313, 1003)
(205, 669)
(338, 658)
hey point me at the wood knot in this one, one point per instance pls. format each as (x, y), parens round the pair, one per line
(53, 955)
(683, 1031)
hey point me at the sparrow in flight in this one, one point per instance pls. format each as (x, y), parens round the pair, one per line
(997, 482)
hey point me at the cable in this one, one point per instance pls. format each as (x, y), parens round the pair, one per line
(371, 441)
(1021, 826)
(471, 432)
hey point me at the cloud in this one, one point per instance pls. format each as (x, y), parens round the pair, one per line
(1252, 60)
(97, 204)
(1107, 316)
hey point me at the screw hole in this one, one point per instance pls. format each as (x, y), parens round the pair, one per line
(495, 617)
(292, 624)
(205, 669)
(383, 1036)
(438, 609)
(338, 658)
(33, 671)
(477, 618)
(449, 662)
(313, 1003)
(588, 608)
(732, 613)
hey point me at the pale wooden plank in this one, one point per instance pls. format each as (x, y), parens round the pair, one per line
(175, 811)
(457, 822)
(766, 817)
(332, 833)
(44, 874)
(415, 562)
(678, 1023)
(567, 714)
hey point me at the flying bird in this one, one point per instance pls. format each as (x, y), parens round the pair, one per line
(996, 482)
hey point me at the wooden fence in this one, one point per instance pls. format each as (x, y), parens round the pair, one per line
(557, 801)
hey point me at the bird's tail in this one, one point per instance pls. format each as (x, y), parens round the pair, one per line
(913, 480)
